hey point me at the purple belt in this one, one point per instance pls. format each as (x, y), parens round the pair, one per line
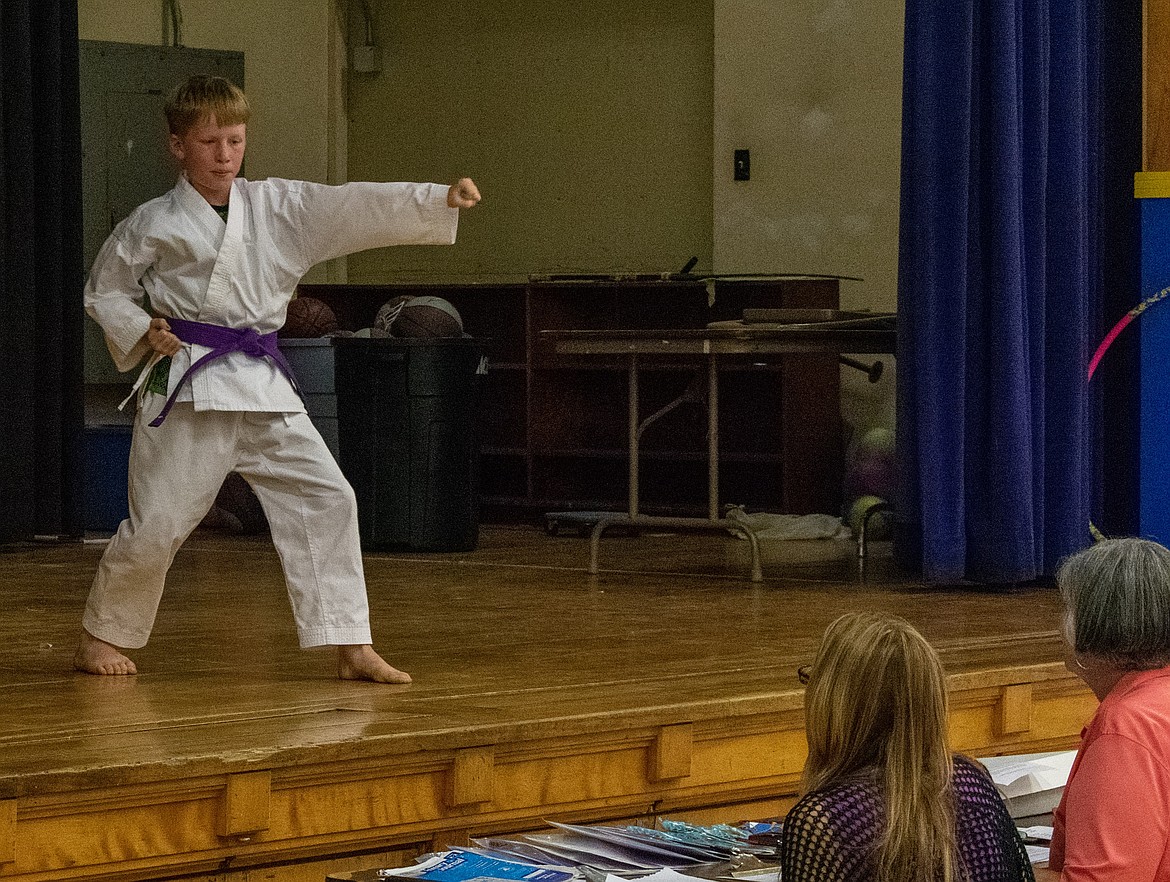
(223, 341)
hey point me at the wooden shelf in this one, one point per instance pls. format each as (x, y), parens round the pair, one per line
(554, 428)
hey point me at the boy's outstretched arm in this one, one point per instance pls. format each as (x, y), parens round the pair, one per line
(463, 194)
(329, 221)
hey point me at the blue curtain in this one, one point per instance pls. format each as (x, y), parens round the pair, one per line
(41, 274)
(999, 285)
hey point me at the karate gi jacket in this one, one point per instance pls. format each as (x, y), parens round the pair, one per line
(242, 274)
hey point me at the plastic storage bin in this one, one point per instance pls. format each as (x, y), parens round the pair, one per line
(107, 458)
(408, 432)
(311, 359)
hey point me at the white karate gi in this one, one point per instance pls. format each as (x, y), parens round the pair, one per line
(239, 413)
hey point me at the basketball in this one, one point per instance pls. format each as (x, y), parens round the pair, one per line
(427, 317)
(308, 317)
(873, 474)
(876, 442)
(879, 524)
(389, 311)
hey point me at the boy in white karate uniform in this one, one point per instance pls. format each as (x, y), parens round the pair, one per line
(220, 257)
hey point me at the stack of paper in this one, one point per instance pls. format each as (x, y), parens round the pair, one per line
(610, 849)
(771, 874)
(1037, 855)
(578, 853)
(1032, 783)
(1037, 840)
(726, 839)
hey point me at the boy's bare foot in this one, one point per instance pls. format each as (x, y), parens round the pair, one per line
(95, 656)
(360, 662)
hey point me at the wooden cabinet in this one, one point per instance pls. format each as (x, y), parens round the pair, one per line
(554, 427)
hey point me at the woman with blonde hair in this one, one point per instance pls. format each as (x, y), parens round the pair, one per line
(884, 797)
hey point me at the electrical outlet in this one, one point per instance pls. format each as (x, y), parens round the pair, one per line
(742, 167)
(366, 59)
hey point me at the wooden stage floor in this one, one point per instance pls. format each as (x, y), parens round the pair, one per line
(664, 686)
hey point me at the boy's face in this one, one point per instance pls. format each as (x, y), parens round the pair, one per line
(211, 156)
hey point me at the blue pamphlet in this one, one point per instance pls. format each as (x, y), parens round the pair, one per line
(461, 866)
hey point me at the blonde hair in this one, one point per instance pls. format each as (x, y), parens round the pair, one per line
(876, 709)
(202, 97)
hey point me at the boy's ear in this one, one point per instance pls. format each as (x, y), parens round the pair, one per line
(175, 145)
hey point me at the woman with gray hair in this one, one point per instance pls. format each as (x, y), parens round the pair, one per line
(1113, 821)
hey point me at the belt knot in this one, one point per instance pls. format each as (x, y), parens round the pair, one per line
(251, 343)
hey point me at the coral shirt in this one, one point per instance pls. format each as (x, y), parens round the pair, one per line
(1113, 821)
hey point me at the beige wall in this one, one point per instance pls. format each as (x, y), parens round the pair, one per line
(814, 90)
(587, 125)
(816, 94)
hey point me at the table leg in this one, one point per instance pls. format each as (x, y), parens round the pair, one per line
(595, 545)
(713, 519)
(712, 439)
(753, 540)
(633, 403)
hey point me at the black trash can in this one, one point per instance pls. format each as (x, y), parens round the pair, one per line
(408, 437)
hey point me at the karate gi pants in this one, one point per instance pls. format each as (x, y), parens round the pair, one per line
(176, 470)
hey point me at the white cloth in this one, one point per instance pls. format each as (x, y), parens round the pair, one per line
(177, 468)
(785, 526)
(177, 250)
(241, 414)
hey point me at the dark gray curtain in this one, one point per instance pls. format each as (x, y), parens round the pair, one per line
(41, 405)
